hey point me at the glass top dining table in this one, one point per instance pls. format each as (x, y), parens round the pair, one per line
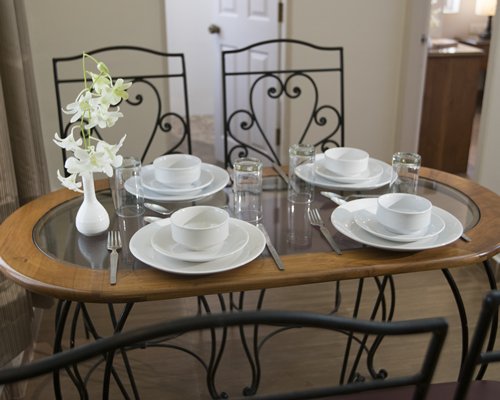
(41, 249)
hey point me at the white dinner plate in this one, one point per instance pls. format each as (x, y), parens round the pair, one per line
(149, 182)
(367, 219)
(163, 242)
(342, 219)
(373, 171)
(306, 172)
(141, 247)
(221, 179)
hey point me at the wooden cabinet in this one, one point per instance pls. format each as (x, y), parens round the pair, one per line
(484, 45)
(451, 83)
(476, 41)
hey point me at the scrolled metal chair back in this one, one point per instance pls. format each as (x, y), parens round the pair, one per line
(317, 91)
(434, 329)
(163, 119)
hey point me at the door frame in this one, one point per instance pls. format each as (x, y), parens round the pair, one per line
(412, 81)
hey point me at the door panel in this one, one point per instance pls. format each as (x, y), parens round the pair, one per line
(241, 23)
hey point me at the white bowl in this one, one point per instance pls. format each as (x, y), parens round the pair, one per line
(177, 170)
(404, 213)
(346, 161)
(200, 227)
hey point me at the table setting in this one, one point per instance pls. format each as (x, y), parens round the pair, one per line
(359, 217)
(382, 220)
(358, 220)
(153, 244)
(193, 240)
(211, 240)
(345, 168)
(205, 179)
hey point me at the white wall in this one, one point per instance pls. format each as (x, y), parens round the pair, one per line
(61, 28)
(464, 23)
(372, 39)
(488, 159)
(371, 33)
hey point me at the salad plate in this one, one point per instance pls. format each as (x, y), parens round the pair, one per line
(163, 242)
(142, 249)
(307, 173)
(221, 179)
(373, 171)
(367, 220)
(149, 182)
(343, 219)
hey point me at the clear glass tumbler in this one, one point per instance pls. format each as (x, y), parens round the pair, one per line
(126, 188)
(299, 191)
(247, 189)
(405, 171)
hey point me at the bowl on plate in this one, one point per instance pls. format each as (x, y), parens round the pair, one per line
(177, 170)
(200, 227)
(404, 213)
(346, 161)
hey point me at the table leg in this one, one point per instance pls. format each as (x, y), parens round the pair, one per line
(118, 327)
(494, 323)
(62, 312)
(461, 312)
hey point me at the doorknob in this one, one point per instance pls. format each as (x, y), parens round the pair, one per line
(214, 28)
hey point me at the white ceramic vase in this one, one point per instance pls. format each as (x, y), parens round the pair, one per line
(92, 218)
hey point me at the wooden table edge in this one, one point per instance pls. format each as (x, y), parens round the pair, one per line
(42, 274)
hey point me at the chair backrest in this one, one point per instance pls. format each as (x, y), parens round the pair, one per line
(481, 351)
(156, 121)
(308, 87)
(435, 328)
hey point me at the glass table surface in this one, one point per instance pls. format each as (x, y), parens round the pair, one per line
(287, 223)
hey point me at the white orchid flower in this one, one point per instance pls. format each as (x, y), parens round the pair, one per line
(113, 94)
(70, 182)
(102, 68)
(69, 142)
(104, 118)
(100, 82)
(83, 106)
(110, 153)
(92, 105)
(76, 165)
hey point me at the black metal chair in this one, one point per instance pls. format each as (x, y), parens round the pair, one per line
(435, 330)
(313, 97)
(481, 353)
(151, 111)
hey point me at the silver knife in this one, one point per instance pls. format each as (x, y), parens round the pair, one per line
(338, 199)
(281, 173)
(271, 248)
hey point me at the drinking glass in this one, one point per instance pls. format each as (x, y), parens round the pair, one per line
(247, 189)
(126, 188)
(299, 191)
(299, 228)
(405, 170)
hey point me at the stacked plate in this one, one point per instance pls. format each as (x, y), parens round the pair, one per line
(371, 175)
(358, 220)
(153, 245)
(212, 179)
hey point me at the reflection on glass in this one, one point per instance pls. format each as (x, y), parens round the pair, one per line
(299, 228)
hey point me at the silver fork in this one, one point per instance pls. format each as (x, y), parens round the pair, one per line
(114, 244)
(316, 220)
